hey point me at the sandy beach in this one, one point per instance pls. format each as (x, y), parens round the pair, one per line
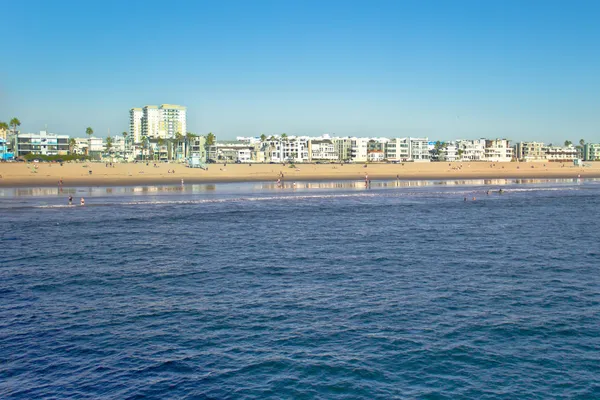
(98, 174)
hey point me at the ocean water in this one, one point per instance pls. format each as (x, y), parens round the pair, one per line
(326, 290)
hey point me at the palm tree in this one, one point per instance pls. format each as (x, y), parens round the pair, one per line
(581, 142)
(160, 143)
(144, 145)
(179, 140)
(14, 123)
(89, 131)
(72, 144)
(568, 143)
(109, 144)
(263, 137)
(189, 137)
(284, 136)
(124, 142)
(210, 141)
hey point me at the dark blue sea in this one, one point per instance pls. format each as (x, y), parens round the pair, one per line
(326, 290)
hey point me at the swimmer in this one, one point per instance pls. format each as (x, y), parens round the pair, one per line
(82, 201)
(70, 200)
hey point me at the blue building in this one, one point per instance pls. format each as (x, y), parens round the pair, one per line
(4, 154)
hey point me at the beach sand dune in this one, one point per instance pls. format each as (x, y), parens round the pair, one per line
(97, 174)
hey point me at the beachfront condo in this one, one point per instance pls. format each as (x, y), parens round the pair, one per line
(43, 143)
(155, 122)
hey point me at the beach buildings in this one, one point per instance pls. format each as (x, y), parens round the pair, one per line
(43, 143)
(530, 151)
(5, 151)
(498, 150)
(156, 122)
(591, 152)
(88, 145)
(561, 154)
(471, 150)
(135, 124)
(323, 149)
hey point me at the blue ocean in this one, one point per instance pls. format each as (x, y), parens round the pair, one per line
(322, 290)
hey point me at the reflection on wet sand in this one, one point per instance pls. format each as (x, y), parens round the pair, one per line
(286, 185)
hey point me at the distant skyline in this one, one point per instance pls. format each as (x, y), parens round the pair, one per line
(522, 70)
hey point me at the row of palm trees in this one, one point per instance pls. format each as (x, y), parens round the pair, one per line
(180, 144)
(14, 123)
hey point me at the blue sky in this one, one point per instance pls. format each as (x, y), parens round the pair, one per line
(525, 70)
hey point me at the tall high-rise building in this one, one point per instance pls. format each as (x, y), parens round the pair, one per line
(172, 121)
(135, 124)
(155, 122)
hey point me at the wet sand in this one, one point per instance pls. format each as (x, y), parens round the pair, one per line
(78, 174)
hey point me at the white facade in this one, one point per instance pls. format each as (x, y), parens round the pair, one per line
(498, 150)
(376, 156)
(397, 150)
(135, 124)
(359, 148)
(472, 150)
(43, 143)
(160, 122)
(290, 149)
(322, 150)
(82, 144)
(174, 120)
(558, 153)
(419, 149)
(449, 153)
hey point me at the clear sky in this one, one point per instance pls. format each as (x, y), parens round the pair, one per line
(525, 70)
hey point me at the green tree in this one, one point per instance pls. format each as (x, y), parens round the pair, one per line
(124, 142)
(14, 123)
(89, 131)
(284, 136)
(144, 143)
(568, 143)
(210, 139)
(179, 139)
(263, 137)
(72, 144)
(581, 142)
(109, 144)
(189, 138)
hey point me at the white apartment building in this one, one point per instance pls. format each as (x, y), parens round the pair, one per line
(530, 151)
(471, 150)
(376, 156)
(419, 149)
(321, 149)
(449, 152)
(498, 150)
(359, 149)
(591, 152)
(157, 122)
(290, 149)
(397, 150)
(135, 124)
(43, 143)
(82, 144)
(558, 153)
(408, 149)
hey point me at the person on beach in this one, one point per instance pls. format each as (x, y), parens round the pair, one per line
(82, 201)
(70, 200)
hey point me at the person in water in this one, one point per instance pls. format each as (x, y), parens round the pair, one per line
(70, 200)
(82, 201)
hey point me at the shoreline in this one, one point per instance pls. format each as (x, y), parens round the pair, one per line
(73, 175)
